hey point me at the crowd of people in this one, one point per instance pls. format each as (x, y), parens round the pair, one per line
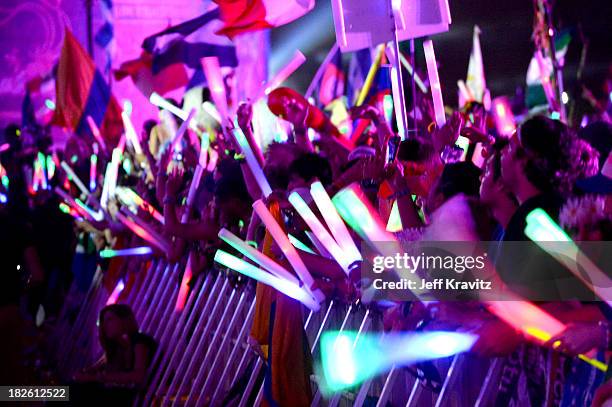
(441, 192)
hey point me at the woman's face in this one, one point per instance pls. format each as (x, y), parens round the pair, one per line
(112, 326)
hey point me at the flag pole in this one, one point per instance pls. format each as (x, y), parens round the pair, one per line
(398, 73)
(320, 71)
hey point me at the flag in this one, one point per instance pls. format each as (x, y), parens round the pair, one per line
(476, 82)
(81, 92)
(242, 16)
(331, 85)
(176, 62)
(535, 94)
(106, 33)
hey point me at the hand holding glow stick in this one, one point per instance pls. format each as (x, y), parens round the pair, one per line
(288, 250)
(434, 82)
(284, 286)
(72, 175)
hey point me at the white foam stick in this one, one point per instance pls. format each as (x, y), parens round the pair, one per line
(252, 162)
(318, 245)
(162, 103)
(296, 61)
(319, 230)
(104, 195)
(434, 83)
(181, 131)
(258, 257)
(214, 78)
(75, 178)
(130, 132)
(249, 270)
(96, 132)
(287, 248)
(193, 188)
(334, 222)
(212, 111)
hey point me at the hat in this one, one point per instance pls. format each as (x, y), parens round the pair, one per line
(600, 183)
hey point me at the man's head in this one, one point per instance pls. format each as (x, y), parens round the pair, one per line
(541, 156)
(308, 168)
(457, 178)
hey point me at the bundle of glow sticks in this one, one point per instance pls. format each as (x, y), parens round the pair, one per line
(134, 251)
(552, 239)
(286, 287)
(341, 246)
(288, 250)
(349, 358)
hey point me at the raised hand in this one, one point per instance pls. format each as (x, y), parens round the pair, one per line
(295, 113)
(245, 115)
(447, 135)
(367, 112)
(174, 182)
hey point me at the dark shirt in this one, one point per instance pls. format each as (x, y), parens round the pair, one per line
(15, 237)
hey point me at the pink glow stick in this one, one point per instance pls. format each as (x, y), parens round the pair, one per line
(288, 250)
(214, 78)
(144, 232)
(434, 82)
(252, 162)
(116, 292)
(96, 132)
(296, 61)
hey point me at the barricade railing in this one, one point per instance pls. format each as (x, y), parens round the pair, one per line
(203, 350)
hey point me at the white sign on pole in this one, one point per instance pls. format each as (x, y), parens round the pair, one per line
(366, 23)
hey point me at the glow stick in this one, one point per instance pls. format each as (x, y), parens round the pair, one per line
(214, 78)
(50, 166)
(258, 257)
(98, 216)
(162, 103)
(74, 178)
(394, 223)
(503, 116)
(104, 197)
(317, 244)
(93, 166)
(212, 163)
(130, 133)
(547, 235)
(417, 79)
(144, 232)
(73, 204)
(434, 82)
(296, 61)
(298, 244)
(134, 251)
(465, 92)
(181, 297)
(285, 287)
(96, 132)
(533, 322)
(333, 220)
(288, 250)
(128, 197)
(319, 230)
(116, 291)
(545, 79)
(35, 175)
(4, 147)
(3, 198)
(252, 162)
(369, 80)
(357, 211)
(212, 111)
(181, 131)
(193, 188)
(349, 358)
(41, 166)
